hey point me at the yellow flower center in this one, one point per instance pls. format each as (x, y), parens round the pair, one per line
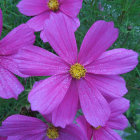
(77, 71)
(97, 127)
(52, 133)
(53, 5)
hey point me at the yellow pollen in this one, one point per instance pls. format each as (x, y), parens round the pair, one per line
(77, 71)
(52, 133)
(97, 127)
(53, 5)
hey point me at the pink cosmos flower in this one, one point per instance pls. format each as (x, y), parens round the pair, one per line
(116, 121)
(87, 75)
(20, 127)
(20, 37)
(42, 9)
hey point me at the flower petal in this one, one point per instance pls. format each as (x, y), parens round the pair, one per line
(37, 22)
(58, 31)
(65, 113)
(112, 86)
(32, 7)
(48, 94)
(74, 21)
(22, 125)
(71, 8)
(19, 37)
(3, 138)
(1, 21)
(10, 87)
(119, 106)
(72, 132)
(118, 122)
(98, 39)
(29, 137)
(10, 64)
(85, 126)
(93, 104)
(116, 61)
(36, 61)
(105, 133)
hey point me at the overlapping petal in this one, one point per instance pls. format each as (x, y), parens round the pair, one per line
(85, 126)
(48, 94)
(32, 7)
(29, 137)
(119, 106)
(59, 33)
(109, 85)
(72, 132)
(9, 63)
(105, 133)
(98, 39)
(65, 113)
(71, 8)
(22, 125)
(37, 22)
(1, 22)
(36, 61)
(118, 122)
(3, 138)
(10, 87)
(113, 62)
(19, 37)
(93, 104)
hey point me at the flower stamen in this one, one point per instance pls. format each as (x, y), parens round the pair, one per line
(77, 71)
(53, 5)
(97, 128)
(52, 133)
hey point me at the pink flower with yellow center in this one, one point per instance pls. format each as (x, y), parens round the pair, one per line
(19, 37)
(20, 127)
(42, 9)
(116, 121)
(87, 76)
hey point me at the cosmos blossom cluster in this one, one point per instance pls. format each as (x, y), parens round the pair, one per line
(87, 80)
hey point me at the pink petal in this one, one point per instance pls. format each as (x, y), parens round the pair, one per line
(85, 126)
(93, 104)
(71, 8)
(22, 125)
(3, 138)
(36, 61)
(118, 122)
(72, 132)
(119, 106)
(48, 94)
(58, 31)
(10, 87)
(29, 137)
(10, 64)
(32, 7)
(117, 61)
(105, 134)
(1, 21)
(65, 113)
(98, 39)
(110, 86)
(21, 36)
(75, 22)
(38, 21)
